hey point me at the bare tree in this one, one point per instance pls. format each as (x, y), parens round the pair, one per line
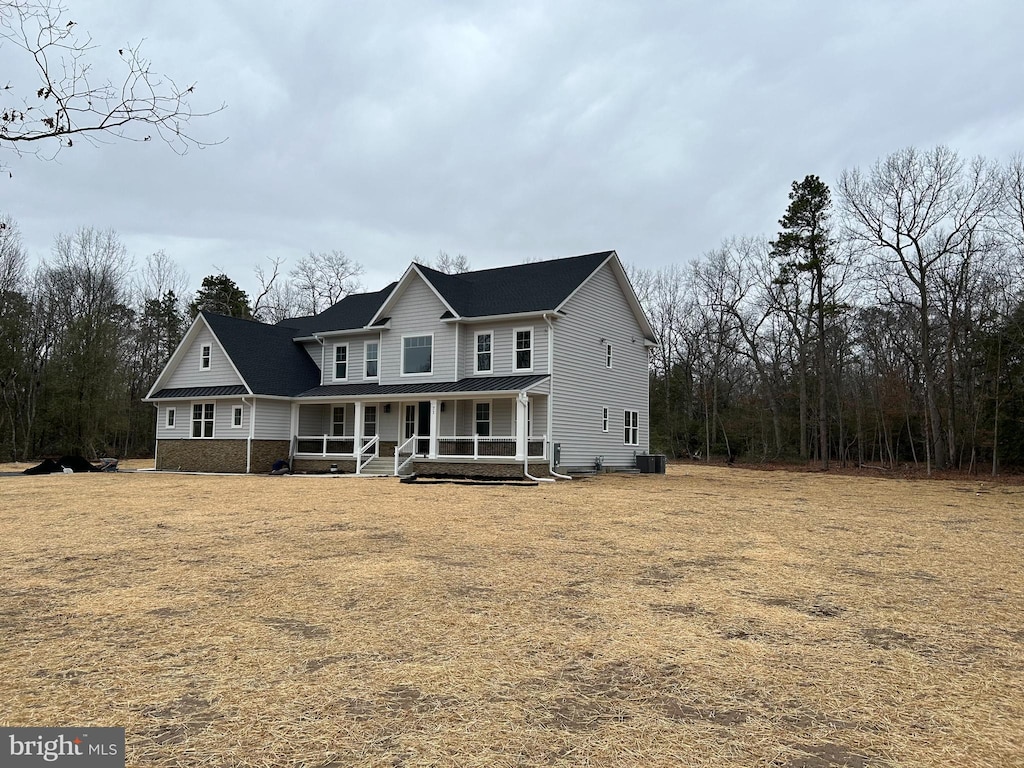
(68, 100)
(13, 261)
(323, 279)
(450, 265)
(915, 212)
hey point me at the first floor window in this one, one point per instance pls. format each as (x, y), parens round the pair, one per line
(236, 416)
(483, 353)
(631, 420)
(604, 419)
(372, 354)
(341, 362)
(202, 420)
(370, 421)
(338, 420)
(170, 418)
(417, 354)
(523, 352)
(483, 419)
(410, 421)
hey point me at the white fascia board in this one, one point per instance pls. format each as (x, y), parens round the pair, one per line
(502, 318)
(627, 290)
(347, 332)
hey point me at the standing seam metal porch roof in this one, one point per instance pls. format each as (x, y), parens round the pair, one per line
(476, 384)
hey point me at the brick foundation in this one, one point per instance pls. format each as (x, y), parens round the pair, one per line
(218, 455)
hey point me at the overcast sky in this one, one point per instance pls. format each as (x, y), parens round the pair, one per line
(508, 131)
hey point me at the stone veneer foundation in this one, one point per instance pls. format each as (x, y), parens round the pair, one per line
(219, 455)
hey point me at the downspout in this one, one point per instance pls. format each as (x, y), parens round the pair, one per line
(523, 399)
(248, 440)
(156, 447)
(551, 400)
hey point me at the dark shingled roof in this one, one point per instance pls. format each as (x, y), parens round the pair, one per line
(266, 356)
(193, 393)
(477, 384)
(354, 311)
(535, 287)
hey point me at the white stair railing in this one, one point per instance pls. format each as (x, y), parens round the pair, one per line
(371, 448)
(399, 464)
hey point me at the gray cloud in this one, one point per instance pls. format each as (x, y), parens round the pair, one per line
(511, 131)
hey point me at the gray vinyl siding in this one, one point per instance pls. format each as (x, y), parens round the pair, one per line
(356, 358)
(417, 313)
(187, 372)
(222, 429)
(273, 420)
(583, 385)
(502, 346)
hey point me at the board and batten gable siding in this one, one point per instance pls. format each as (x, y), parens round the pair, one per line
(417, 313)
(503, 336)
(584, 385)
(187, 372)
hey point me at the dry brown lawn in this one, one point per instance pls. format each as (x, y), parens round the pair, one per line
(711, 617)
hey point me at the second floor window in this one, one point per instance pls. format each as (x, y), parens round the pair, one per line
(341, 361)
(204, 357)
(483, 353)
(372, 357)
(523, 352)
(417, 354)
(608, 356)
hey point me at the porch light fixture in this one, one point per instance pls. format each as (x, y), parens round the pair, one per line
(387, 407)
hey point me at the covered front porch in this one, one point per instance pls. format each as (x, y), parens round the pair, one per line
(358, 434)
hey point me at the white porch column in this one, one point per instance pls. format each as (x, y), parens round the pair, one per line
(357, 432)
(522, 416)
(295, 432)
(435, 420)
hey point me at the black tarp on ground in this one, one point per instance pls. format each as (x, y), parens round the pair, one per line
(49, 466)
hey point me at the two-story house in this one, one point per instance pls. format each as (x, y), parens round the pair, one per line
(535, 369)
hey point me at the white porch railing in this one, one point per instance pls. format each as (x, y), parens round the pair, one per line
(367, 453)
(486, 447)
(325, 445)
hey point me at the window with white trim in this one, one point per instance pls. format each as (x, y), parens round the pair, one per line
(483, 356)
(608, 356)
(202, 419)
(417, 355)
(604, 419)
(631, 421)
(205, 357)
(338, 420)
(340, 362)
(522, 350)
(482, 419)
(236, 416)
(169, 419)
(370, 421)
(371, 357)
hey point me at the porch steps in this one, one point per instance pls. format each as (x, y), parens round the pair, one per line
(382, 465)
